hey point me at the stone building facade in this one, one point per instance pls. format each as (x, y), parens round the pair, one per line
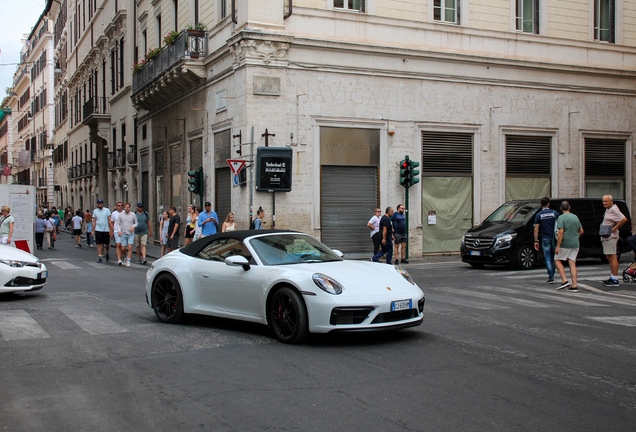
(516, 99)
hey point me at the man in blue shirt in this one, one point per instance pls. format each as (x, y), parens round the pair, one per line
(544, 222)
(399, 232)
(208, 221)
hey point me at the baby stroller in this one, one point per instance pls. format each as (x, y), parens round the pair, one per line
(630, 273)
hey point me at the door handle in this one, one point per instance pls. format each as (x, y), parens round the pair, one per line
(205, 276)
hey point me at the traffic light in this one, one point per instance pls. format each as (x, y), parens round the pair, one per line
(414, 173)
(405, 172)
(195, 182)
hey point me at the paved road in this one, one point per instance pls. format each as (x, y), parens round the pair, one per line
(498, 350)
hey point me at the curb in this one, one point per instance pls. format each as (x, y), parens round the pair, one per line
(600, 291)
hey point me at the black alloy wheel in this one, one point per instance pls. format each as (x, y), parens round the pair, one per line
(167, 299)
(526, 257)
(288, 316)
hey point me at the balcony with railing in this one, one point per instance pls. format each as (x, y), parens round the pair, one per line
(111, 161)
(41, 182)
(94, 167)
(96, 110)
(171, 71)
(121, 158)
(131, 156)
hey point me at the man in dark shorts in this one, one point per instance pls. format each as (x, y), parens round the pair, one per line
(399, 233)
(386, 233)
(101, 224)
(173, 228)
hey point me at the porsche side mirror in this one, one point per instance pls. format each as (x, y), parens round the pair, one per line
(238, 260)
(337, 252)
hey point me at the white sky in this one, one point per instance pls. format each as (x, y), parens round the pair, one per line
(17, 18)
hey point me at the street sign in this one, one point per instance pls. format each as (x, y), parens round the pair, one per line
(236, 180)
(236, 165)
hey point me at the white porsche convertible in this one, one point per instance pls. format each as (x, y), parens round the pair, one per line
(287, 280)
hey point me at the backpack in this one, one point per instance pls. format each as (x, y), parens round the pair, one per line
(252, 225)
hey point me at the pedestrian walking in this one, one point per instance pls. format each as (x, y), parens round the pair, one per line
(88, 223)
(567, 248)
(40, 229)
(143, 231)
(208, 221)
(114, 233)
(399, 234)
(173, 229)
(374, 227)
(544, 224)
(260, 218)
(125, 227)
(49, 231)
(103, 230)
(229, 224)
(6, 225)
(76, 222)
(163, 228)
(386, 230)
(190, 224)
(614, 219)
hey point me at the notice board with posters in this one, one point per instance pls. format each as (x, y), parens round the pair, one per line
(274, 169)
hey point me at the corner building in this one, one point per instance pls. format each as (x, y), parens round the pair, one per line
(515, 100)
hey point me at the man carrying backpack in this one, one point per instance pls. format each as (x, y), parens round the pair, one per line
(544, 222)
(143, 230)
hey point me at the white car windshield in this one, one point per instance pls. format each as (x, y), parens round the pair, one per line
(291, 249)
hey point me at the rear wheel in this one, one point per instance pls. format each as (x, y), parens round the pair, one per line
(167, 299)
(288, 316)
(526, 257)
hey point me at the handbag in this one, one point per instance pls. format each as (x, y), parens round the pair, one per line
(605, 231)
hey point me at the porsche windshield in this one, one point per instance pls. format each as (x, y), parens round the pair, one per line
(514, 212)
(291, 249)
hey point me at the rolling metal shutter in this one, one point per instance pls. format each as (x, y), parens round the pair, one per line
(223, 195)
(345, 211)
(604, 158)
(447, 154)
(145, 189)
(528, 156)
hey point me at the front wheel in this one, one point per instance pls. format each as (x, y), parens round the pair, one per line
(288, 316)
(526, 257)
(167, 299)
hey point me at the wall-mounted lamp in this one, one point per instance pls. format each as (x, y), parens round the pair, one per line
(58, 69)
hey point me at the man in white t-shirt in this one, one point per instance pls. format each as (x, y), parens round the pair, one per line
(102, 229)
(113, 220)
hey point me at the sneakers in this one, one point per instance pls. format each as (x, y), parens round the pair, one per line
(397, 262)
(145, 262)
(140, 262)
(611, 282)
(573, 289)
(404, 261)
(99, 259)
(91, 245)
(127, 263)
(107, 257)
(119, 262)
(564, 285)
(550, 281)
(79, 244)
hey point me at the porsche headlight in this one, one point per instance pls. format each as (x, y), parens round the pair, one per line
(327, 284)
(12, 263)
(405, 274)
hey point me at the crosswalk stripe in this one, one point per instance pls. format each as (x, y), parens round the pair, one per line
(461, 302)
(91, 321)
(521, 302)
(628, 321)
(65, 265)
(597, 274)
(559, 298)
(94, 264)
(18, 324)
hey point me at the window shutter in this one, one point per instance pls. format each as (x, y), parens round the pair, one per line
(604, 157)
(363, 5)
(612, 29)
(536, 16)
(447, 154)
(459, 9)
(528, 155)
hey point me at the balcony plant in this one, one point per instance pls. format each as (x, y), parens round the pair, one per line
(137, 67)
(170, 37)
(200, 27)
(152, 54)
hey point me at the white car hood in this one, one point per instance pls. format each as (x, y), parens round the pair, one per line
(362, 277)
(11, 253)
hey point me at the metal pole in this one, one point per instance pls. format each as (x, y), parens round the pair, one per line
(406, 211)
(252, 177)
(273, 209)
